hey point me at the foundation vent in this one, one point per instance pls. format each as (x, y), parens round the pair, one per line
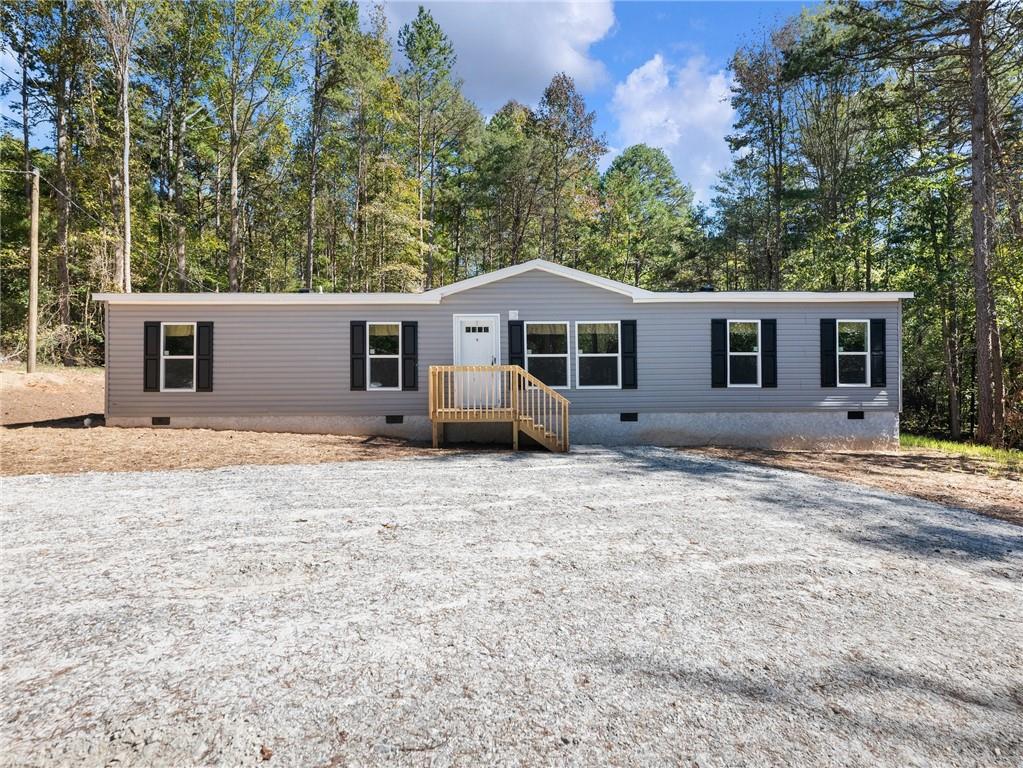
(394, 419)
(629, 416)
(854, 415)
(161, 421)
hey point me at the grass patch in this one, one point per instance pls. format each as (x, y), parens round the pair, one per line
(1007, 457)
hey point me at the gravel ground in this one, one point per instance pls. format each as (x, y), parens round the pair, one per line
(631, 606)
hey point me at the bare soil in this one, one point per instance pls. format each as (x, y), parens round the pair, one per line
(957, 480)
(43, 432)
(49, 397)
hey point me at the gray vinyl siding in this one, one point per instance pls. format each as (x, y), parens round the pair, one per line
(294, 360)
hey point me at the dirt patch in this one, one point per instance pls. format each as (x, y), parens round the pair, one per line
(957, 480)
(50, 396)
(44, 433)
(106, 449)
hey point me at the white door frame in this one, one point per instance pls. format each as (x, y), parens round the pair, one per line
(456, 339)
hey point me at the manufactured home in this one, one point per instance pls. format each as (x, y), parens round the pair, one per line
(535, 350)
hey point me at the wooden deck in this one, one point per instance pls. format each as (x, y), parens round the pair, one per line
(498, 393)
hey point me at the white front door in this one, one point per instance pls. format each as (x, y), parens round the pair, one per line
(476, 343)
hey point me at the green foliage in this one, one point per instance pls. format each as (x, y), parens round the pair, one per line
(1007, 458)
(647, 214)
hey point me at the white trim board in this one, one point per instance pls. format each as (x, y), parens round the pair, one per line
(194, 357)
(456, 338)
(865, 353)
(728, 355)
(567, 354)
(437, 295)
(617, 355)
(371, 357)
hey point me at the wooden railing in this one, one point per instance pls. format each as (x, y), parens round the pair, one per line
(496, 393)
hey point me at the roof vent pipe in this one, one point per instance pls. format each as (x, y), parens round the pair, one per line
(303, 290)
(706, 288)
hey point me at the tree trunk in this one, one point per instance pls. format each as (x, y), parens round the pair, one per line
(61, 89)
(555, 256)
(114, 180)
(179, 199)
(314, 137)
(950, 325)
(987, 346)
(234, 241)
(419, 184)
(218, 184)
(997, 372)
(125, 169)
(433, 208)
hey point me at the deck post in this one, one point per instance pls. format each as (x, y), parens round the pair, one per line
(513, 378)
(530, 405)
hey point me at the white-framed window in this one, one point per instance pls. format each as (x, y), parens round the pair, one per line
(177, 357)
(547, 352)
(383, 356)
(853, 345)
(744, 353)
(598, 354)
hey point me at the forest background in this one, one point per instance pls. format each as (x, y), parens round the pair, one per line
(247, 145)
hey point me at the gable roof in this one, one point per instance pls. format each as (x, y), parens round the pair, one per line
(539, 265)
(436, 295)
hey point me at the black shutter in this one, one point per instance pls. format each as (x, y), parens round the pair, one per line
(204, 357)
(358, 352)
(829, 355)
(410, 356)
(151, 357)
(630, 379)
(878, 361)
(769, 353)
(719, 353)
(516, 344)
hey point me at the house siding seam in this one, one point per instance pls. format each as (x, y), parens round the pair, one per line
(294, 360)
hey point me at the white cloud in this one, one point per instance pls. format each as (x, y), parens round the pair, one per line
(684, 110)
(511, 50)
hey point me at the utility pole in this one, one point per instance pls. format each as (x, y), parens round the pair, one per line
(33, 277)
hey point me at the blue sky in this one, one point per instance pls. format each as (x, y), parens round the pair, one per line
(653, 72)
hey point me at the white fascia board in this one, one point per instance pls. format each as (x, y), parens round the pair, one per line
(638, 295)
(770, 297)
(278, 299)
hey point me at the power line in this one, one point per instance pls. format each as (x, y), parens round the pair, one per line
(73, 203)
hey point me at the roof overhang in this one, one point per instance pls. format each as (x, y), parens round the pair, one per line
(278, 299)
(437, 295)
(771, 297)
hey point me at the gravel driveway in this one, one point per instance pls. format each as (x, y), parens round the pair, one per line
(631, 606)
